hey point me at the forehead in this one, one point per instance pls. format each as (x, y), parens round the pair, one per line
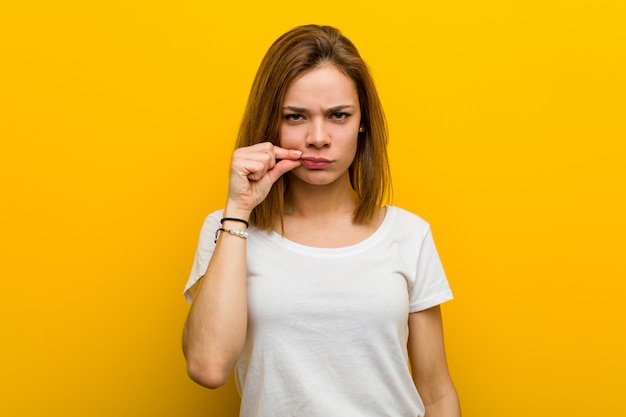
(325, 83)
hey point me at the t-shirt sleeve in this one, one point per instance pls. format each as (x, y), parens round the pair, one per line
(431, 286)
(206, 245)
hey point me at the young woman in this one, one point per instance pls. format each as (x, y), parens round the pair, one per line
(306, 285)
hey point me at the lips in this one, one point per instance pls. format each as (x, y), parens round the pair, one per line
(315, 163)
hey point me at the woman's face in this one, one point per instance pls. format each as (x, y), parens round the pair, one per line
(321, 117)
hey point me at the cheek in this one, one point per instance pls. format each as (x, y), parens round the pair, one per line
(290, 136)
(283, 139)
(351, 140)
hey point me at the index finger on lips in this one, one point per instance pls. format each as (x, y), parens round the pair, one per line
(282, 153)
(264, 155)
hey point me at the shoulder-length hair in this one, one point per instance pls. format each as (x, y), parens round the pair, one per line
(297, 51)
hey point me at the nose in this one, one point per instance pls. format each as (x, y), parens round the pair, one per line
(318, 135)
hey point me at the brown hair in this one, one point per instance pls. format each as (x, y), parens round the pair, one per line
(299, 50)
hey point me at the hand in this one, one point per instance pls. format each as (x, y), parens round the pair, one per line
(254, 169)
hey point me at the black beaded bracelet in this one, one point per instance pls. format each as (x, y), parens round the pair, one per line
(233, 219)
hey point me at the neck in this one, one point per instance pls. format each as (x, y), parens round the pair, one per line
(319, 201)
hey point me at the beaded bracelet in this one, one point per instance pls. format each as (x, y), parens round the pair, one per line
(239, 233)
(233, 219)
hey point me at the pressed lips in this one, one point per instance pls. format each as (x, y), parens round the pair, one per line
(315, 163)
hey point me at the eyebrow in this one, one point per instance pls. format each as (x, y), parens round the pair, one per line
(334, 109)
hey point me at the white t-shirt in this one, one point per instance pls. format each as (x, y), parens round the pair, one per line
(328, 328)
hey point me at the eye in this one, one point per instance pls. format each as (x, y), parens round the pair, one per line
(339, 116)
(293, 117)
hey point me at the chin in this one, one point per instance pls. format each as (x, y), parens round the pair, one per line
(320, 178)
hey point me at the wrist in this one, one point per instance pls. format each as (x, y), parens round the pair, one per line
(225, 221)
(232, 211)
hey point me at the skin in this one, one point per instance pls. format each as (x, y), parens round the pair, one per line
(319, 134)
(321, 118)
(429, 366)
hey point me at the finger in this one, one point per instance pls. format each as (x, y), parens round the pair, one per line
(282, 167)
(282, 153)
(265, 156)
(253, 164)
(256, 170)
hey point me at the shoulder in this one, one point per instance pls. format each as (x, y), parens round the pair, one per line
(405, 220)
(214, 216)
(209, 226)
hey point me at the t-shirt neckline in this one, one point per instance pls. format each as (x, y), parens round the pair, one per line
(366, 243)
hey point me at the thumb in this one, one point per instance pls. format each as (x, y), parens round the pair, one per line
(282, 167)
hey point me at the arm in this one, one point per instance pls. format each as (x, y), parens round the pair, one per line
(215, 329)
(429, 365)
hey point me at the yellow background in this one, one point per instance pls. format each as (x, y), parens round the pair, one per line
(508, 135)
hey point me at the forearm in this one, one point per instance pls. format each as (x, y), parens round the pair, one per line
(215, 330)
(429, 364)
(444, 402)
(445, 406)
